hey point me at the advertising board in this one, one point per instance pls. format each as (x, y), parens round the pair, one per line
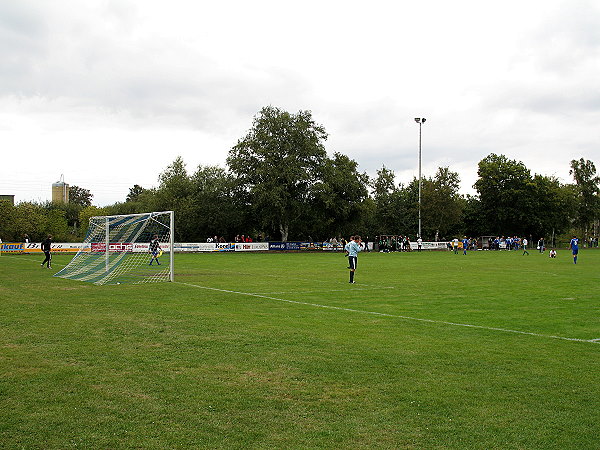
(251, 246)
(224, 247)
(194, 247)
(56, 247)
(429, 246)
(11, 247)
(100, 247)
(144, 247)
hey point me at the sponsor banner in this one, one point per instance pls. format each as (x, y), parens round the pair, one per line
(56, 247)
(11, 247)
(251, 246)
(277, 246)
(429, 246)
(310, 245)
(224, 247)
(332, 247)
(144, 247)
(339, 247)
(195, 247)
(100, 247)
(280, 246)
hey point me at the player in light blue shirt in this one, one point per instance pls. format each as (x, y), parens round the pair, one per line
(353, 247)
(574, 248)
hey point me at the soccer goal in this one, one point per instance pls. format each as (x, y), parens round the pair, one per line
(133, 248)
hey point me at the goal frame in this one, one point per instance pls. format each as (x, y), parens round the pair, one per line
(165, 220)
(171, 237)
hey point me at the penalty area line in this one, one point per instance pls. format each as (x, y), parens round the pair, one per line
(395, 316)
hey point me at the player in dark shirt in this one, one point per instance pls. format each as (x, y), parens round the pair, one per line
(46, 247)
(154, 249)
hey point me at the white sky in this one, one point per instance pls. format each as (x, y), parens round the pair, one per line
(109, 93)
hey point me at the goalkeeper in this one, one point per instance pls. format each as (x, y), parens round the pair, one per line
(154, 250)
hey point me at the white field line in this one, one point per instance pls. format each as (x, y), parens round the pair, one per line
(396, 316)
(30, 259)
(316, 305)
(299, 291)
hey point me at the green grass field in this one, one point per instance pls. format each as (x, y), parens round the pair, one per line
(427, 350)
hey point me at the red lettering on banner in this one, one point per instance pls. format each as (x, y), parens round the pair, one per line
(112, 247)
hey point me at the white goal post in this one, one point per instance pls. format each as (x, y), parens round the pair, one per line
(129, 248)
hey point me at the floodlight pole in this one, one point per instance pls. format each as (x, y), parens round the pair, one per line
(172, 245)
(420, 121)
(107, 244)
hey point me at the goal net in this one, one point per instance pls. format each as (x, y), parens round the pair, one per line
(134, 248)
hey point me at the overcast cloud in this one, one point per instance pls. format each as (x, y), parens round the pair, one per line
(109, 93)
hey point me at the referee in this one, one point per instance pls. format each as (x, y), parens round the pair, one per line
(353, 247)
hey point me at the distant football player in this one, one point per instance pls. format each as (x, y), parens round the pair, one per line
(574, 246)
(353, 247)
(154, 249)
(524, 243)
(455, 245)
(346, 246)
(465, 243)
(46, 247)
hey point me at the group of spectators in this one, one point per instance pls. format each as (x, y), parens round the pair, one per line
(222, 240)
(465, 243)
(339, 243)
(508, 243)
(393, 243)
(216, 239)
(514, 243)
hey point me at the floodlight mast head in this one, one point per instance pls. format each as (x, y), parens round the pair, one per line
(420, 120)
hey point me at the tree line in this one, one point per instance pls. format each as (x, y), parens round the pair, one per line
(280, 184)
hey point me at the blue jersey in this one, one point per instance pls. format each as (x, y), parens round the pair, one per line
(465, 243)
(574, 244)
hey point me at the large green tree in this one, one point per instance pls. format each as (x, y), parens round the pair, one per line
(504, 188)
(394, 211)
(37, 220)
(135, 193)
(472, 217)
(80, 196)
(587, 189)
(550, 205)
(441, 204)
(278, 163)
(216, 207)
(338, 208)
(174, 193)
(397, 206)
(512, 201)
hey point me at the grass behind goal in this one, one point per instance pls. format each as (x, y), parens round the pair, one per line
(277, 350)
